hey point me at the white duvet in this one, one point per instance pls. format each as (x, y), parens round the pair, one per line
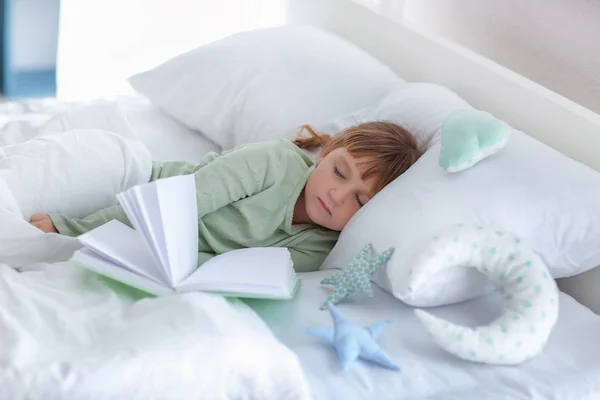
(65, 334)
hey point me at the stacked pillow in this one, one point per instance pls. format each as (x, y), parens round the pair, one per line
(262, 85)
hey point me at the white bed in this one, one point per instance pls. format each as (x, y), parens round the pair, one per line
(569, 367)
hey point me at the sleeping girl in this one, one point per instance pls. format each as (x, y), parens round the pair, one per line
(272, 194)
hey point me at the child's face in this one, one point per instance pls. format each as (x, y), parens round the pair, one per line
(335, 190)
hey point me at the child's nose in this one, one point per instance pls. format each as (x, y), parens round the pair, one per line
(338, 195)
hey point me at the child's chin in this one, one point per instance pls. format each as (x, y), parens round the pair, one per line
(329, 226)
(319, 222)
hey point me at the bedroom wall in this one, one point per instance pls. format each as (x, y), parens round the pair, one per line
(553, 42)
(102, 42)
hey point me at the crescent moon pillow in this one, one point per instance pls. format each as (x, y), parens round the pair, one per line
(530, 296)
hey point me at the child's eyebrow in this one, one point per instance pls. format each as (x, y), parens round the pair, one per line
(349, 170)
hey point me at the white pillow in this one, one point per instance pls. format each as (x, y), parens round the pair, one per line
(264, 83)
(419, 107)
(549, 200)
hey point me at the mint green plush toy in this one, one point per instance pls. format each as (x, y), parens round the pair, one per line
(356, 278)
(469, 136)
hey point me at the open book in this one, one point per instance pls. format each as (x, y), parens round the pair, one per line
(160, 255)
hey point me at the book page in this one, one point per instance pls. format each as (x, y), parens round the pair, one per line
(123, 246)
(179, 215)
(287, 295)
(134, 213)
(140, 203)
(265, 271)
(94, 262)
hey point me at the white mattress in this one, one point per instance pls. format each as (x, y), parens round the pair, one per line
(569, 367)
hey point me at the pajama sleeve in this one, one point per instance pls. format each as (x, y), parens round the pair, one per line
(220, 180)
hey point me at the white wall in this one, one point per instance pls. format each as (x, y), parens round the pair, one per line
(34, 34)
(553, 42)
(102, 42)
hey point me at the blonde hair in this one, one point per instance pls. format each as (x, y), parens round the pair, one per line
(388, 148)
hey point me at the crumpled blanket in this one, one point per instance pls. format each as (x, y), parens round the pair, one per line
(65, 333)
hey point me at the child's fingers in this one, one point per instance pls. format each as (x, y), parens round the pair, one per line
(43, 223)
(43, 226)
(37, 217)
(36, 224)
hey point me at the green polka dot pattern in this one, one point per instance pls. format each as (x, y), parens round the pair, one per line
(530, 305)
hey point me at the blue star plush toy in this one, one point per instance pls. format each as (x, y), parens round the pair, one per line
(352, 341)
(356, 278)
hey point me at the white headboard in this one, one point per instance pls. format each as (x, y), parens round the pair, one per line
(527, 106)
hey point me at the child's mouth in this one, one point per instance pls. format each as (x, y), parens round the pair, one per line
(325, 207)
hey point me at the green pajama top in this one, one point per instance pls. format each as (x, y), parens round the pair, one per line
(246, 198)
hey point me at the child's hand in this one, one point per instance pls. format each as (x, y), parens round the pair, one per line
(43, 223)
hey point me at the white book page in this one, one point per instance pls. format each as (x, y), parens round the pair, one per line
(132, 209)
(179, 215)
(142, 203)
(94, 262)
(259, 270)
(123, 246)
(127, 202)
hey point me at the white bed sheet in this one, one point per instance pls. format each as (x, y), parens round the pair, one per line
(569, 367)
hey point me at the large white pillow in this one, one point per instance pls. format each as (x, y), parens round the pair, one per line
(549, 200)
(264, 83)
(420, 107)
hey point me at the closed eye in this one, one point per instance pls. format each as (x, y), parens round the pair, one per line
(338, 173)
(360, 203)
